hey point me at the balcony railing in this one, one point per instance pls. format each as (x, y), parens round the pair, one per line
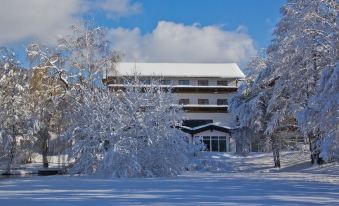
(209, 108)
(184, 88)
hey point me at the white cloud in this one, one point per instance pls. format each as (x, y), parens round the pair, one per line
(118, 8)
(168, 42)
(172, 42)
(44, 20)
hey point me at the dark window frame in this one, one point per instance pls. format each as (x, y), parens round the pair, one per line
(222, 101)
(202, 82)
(203, 101)
(184, 101)
(187, 82)
(222, 83)
(216, 143)
(146, 81)
(166, 82)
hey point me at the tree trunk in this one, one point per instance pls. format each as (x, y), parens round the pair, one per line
(11, 156)
(276, 149)
(315, 153)
(44, 136)
(276, 157)
(12, 152)
(45, 153)
(311, 148)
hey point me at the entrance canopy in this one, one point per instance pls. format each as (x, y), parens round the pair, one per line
(205, 127)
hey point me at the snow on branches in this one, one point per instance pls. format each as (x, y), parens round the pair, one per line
(14, 111)
(305, 43)
(128, 133)
(321, 115)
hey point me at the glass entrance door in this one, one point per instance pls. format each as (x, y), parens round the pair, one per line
(216, 143)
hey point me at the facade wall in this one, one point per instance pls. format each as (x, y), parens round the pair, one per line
(225, 119)
(193, 97)
(194, 81)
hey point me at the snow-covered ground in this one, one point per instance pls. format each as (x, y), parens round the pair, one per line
(226, 180)
(297, 161)
(32, 168)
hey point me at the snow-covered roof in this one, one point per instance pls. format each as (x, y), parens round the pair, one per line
(218, 124)
(230, 70)
(205, 105)
(209, 126)
(176, 86)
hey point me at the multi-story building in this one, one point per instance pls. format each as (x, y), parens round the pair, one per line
(204, 91)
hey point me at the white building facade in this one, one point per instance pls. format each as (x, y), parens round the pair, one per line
(202, 89)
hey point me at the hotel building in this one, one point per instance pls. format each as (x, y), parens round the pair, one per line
(204, 91)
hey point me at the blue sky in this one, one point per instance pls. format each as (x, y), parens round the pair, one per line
(258, 16)
(212, 31)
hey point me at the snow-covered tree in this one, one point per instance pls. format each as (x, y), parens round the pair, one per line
(88, 53)
(248, 104)
(78, 58)
(128, 133)
(47, 86)
(15, 130)
(8, 59)
(82, 56)
(303, 46)
(321, 115)
(47, 94)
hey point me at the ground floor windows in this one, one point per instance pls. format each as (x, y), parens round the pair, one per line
(207, 143)
(216, 143)
(223, 144)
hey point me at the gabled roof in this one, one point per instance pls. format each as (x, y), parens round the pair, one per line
(230, 70)
(205, 127)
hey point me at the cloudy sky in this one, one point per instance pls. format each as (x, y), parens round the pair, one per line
(212, 31)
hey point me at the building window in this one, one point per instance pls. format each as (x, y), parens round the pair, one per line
(203, 82)
(203, 101)
(166, 82)
(110, 80)
(222, 144)
(222, 82)
(122, 81)
(216, 143)
(207, 143)
(184, 82)
(184, 101)
(146, 81)
(222, 102)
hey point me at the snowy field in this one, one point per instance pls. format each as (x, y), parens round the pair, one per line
(227, 180)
